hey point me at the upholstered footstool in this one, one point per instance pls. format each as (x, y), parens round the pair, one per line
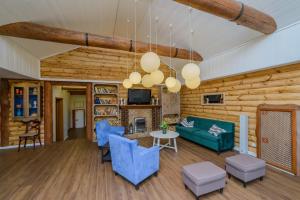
(245, 168)
(203, 177)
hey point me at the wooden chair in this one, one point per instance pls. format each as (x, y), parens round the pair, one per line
(33, 132)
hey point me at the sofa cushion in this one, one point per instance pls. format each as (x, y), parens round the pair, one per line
(245, 163)
(203, 172)
(206, 135)
(205, 124)
(186, 129)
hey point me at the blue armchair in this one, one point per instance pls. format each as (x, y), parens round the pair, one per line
(103, 130)
(133, 162)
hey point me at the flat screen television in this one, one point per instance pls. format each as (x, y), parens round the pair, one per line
(139, 96)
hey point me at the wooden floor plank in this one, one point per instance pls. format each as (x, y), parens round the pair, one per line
(73, 170)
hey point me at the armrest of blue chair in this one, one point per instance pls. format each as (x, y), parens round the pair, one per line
(147, 160)
(118, 130)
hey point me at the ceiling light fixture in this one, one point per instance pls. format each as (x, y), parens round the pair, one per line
(135, 77)
(157, 76)
(150, 61)
(191, 72)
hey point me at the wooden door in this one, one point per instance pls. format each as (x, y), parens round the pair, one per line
(78, 118)
(59, 119)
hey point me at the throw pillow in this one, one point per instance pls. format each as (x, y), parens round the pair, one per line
(185, 123)
(215, 130)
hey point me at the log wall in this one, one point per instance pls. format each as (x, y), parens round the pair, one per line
(88, 63)
(243, 93)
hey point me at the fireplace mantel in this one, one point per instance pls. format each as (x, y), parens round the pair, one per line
(156, 113)
(139, 106)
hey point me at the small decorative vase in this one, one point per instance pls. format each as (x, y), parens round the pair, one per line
(164, 131)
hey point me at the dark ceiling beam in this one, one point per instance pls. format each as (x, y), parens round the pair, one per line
(237, 12)
(45, 33)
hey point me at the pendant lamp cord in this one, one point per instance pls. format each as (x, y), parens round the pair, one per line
(135, 1)
(171, 28)
(156, 30)
(127, 37)
(191, 33)
(150, 25)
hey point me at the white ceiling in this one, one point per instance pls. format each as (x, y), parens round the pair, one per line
(212, 35)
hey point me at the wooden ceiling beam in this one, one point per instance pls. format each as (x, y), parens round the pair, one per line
(235, 11)
(45, 33)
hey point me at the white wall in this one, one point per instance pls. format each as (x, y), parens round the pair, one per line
(57, 92)
(16, 59)
(77, 102)
(279, 48)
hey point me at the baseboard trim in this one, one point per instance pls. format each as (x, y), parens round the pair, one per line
(17, 146)
(249, 152)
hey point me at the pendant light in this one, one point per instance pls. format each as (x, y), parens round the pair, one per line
(135, 77)
(147, 81)
(157, 76)
(170, 81)
(150, 61)
(191, 72)
(176, 88)
(193, 83)
(127, 83)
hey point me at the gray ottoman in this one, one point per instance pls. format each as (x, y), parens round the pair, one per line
(203, 177)
(246, 168)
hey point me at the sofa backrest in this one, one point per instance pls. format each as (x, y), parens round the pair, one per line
(205, 124)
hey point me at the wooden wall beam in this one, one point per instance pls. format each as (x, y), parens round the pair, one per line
(48, 117)
(235, 11)
(89, 112)
(4, 103)
(40, 32)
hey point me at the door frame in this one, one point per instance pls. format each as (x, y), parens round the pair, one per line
(61, 135)
(48, 116)
(74, 117)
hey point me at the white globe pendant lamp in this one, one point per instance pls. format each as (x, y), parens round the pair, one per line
(147, 81)
(170, 82)
(127, 83)
(150, 62)
(193, 83)
(190, 71)
(157, 77)
(135, 77)
(176, 88)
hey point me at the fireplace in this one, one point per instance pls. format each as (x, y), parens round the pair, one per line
(151, 113)
(139, 124)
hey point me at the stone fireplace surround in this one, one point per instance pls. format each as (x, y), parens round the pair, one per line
(152, 114)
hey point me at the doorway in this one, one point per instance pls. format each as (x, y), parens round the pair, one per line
(59, 119)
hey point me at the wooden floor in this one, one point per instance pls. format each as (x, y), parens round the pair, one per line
(72, 170)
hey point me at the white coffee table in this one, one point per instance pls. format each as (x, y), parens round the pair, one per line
(171, 135)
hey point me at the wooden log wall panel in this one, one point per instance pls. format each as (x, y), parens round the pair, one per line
(16, 128)
(4, 103)
(88, 63)
(243, 93)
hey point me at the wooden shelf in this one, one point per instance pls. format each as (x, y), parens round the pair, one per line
(106, 115)
(106, 94)
(106, 104)
(139, 106)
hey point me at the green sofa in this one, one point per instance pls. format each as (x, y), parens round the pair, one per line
(200, 135)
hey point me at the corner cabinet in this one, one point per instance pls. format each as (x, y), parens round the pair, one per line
(25, 101)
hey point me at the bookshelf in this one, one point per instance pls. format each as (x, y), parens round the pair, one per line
(106, 103)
